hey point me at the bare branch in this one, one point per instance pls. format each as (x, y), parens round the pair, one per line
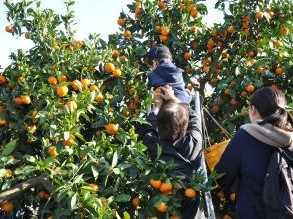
(18, 189)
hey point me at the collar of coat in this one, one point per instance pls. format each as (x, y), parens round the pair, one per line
(269, 134)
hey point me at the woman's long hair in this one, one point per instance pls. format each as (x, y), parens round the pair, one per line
(270, 103)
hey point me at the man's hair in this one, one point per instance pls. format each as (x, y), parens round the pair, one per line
(270, 103)
(172, 120)
(159, 53)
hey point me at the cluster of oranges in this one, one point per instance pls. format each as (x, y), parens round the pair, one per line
(166, 188)
(110, 68)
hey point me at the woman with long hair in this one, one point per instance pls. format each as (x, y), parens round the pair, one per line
(247, 156)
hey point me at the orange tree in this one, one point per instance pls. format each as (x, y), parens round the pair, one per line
(250, 49)
(67, 126)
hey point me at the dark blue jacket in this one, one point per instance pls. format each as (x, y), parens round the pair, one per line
(168, 74)
(245, 162)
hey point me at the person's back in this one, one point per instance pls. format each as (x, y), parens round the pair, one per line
(246, 158)
(177, 131)
(164, 72)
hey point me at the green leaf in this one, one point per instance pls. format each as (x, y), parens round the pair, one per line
(8, 148)
(115, 159)
(29, 158)
(73, 201)
(122, 198)
(126, 215)
(95, 172)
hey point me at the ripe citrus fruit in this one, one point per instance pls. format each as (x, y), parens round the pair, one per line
(230, 29)
(25, 99)
(112, 128)
(190, 193)
(94, 188)
(62, 91)
(18, 100)
(69, 141)
(279, 71)
(8, 174)
(259, 15)
(166, 188)
(232, 196)
(43, 195)
(155, 183)
(85, 82)
(77, 85)
(260, 70)
(116, 72)
(100, 98)
(7, 206)
(136, 202)
(52, 151)
(187, 55)
(109, 67)
(121, 22)
(162, 207)
(2, 79)
(9, 29)
(127, 34)
(250, 88)
(52, 80)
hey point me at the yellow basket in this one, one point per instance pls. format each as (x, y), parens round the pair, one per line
(214, 153)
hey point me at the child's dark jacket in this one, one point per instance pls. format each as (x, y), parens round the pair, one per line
(168, 74)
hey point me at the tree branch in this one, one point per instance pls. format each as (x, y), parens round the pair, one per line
(18, 189)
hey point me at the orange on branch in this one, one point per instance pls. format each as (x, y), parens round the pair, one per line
(52, 80)
(25, 99)
(52, 151)
(76, 85)
(162, 207)
(187, 55)
(165, 31)
(163, 38)
(112, 129)
(135, 202)
(94, 188)
(127, 34)
(100, 98)
(250, 88)
(7, 206)
(2, 79)
(69, 141)
(18, 100)
(62, 90)
(232, 196)
(230, 29)
(116, 73)
(166, 188)
(155, 183)
(9, 29)
(121, 22)
(115, 53)
(279, 71)
(259, 15)
(109, 67)
(277, 43)
(190, 193)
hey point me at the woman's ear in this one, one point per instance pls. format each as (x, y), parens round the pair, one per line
(154, 64)
(254, 114)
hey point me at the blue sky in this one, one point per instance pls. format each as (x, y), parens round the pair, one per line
(93, 16)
